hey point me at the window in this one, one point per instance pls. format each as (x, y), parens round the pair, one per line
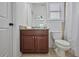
(55, 16)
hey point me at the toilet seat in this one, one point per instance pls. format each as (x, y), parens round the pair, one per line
(62, 43)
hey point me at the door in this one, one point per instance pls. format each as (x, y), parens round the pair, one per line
(5, 29)
(41, 43)
(28, 42)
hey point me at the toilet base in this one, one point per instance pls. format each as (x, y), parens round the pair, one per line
(60, 52)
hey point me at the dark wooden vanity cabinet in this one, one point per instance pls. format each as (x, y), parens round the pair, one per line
(34, 41)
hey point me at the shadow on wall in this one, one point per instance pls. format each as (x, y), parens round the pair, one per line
(52, 38)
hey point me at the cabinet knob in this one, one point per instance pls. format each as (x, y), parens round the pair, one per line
(33, 37)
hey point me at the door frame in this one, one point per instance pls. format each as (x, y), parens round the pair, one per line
(15, 36)
(10, 29)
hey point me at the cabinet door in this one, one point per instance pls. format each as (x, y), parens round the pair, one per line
(41, 42)
(28, 42)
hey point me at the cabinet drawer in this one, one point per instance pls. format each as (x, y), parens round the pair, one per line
(41, 37)
(41, 32)
(27, 32)
(28, 37)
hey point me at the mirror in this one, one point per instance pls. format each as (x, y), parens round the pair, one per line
(39, 15)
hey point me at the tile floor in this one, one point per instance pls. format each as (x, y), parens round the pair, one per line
(50, 54)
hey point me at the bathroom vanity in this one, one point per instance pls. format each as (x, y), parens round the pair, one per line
(34, 40)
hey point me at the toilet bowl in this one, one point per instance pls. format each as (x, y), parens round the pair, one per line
(61, 47)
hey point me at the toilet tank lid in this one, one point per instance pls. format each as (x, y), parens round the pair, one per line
(62, 42)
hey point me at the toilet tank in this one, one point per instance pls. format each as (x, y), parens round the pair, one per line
(57, 35)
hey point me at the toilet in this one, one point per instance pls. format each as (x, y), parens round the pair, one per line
(61, 47)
